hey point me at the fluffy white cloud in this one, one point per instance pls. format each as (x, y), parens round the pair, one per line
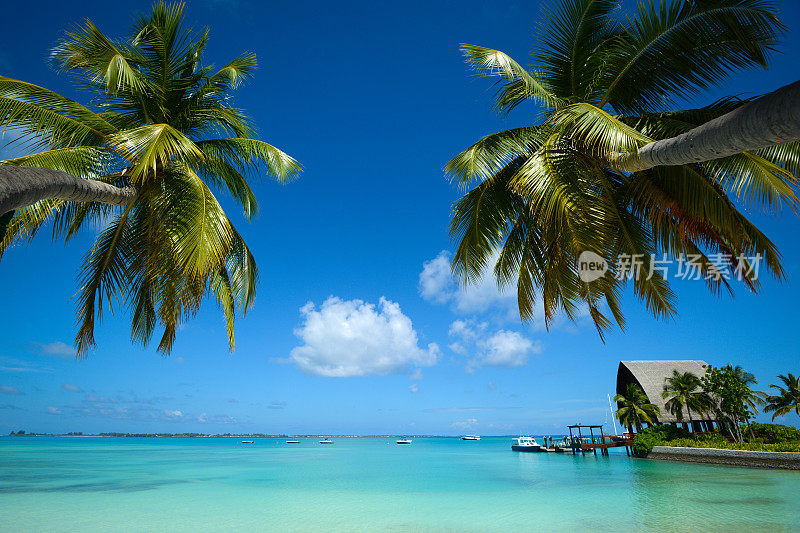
(437, 284)
(505, 348)
(414, 388)
(54, 410)
(345, 338)
(71, 388)
(173, 414)
(501, 348)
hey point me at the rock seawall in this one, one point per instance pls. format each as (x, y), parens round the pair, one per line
(785, 460)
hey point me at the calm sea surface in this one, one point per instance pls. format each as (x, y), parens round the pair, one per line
(372, 484)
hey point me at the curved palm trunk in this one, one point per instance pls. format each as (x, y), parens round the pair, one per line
(23, 186)
(772, 119)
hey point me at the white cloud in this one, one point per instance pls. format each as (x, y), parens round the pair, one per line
(71, 388)
(54, 410)
(11, 391)
(345, 338)
(505, 348)
(56, 349)
(202, 418)
(173, 414)
(469, 423)
(437, 284)
(416, 375)
(501, 348)
(414, 388)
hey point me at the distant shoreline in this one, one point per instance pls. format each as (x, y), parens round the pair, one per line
(240, 435)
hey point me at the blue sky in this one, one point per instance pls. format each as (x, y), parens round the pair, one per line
(357, 328)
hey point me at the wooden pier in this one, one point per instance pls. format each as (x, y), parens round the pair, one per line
(591, 443)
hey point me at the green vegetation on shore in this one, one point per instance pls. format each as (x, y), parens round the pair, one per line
(764, 438)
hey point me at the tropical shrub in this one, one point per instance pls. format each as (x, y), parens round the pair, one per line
(775, 433)
(644, 441)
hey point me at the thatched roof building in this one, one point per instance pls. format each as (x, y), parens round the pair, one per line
(650, 376)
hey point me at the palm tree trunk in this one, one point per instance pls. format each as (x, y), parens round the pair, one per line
(772, 119)
(23, 186)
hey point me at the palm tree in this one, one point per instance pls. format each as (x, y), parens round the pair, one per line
(142, 166)
(635, 408)
(787, 399)
(537, 197)
(684, 391)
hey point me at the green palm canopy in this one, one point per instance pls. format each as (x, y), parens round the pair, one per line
(683, 390)
(163, 128)
(787, 399)
(605, 84)
(635, 408)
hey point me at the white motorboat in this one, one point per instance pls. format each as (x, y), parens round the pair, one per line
(292, 442)
(403, 441)
(471, 437)
(248, 441)
(326, 441)
(526, 444)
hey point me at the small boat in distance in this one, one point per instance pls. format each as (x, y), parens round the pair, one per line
(248, 441)
(292, 442)
(403, 441)
(471, 437)
(326, 441)
(526, 444)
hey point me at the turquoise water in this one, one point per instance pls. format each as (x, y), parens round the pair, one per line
(372, 484)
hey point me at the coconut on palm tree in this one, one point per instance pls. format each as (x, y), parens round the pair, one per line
(574, 180)
(683, 390)
(161, 134)
(787, 399)
(635, 409)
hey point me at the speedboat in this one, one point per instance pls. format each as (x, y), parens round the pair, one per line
(292, 442)
(470, 437)
(526, 444)
(403, 441)
(326, 441)
(248, 441)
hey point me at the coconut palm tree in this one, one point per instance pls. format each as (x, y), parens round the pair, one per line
(635, 408)
(573, 181)
(787, 399)
(684, 390)
(142, 165)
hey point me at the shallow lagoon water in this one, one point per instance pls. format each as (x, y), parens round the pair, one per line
(372, 484)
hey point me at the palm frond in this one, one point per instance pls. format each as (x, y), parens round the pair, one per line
(250, 154)
(517, 84)
(486, 157)
(570, 52)
(679, 48)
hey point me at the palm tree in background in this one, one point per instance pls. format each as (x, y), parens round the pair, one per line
(635, 408)
(787, 399)
(573, 181)
(684, 391)
(143, 167)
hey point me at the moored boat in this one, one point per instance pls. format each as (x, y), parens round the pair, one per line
(526, 444)
(248, 441)
(326, 441)
(292, 442)
(471, 437)
(403, 441)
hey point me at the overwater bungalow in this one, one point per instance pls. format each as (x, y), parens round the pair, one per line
(650, 376)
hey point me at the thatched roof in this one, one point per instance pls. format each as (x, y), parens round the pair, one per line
(650, 376)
